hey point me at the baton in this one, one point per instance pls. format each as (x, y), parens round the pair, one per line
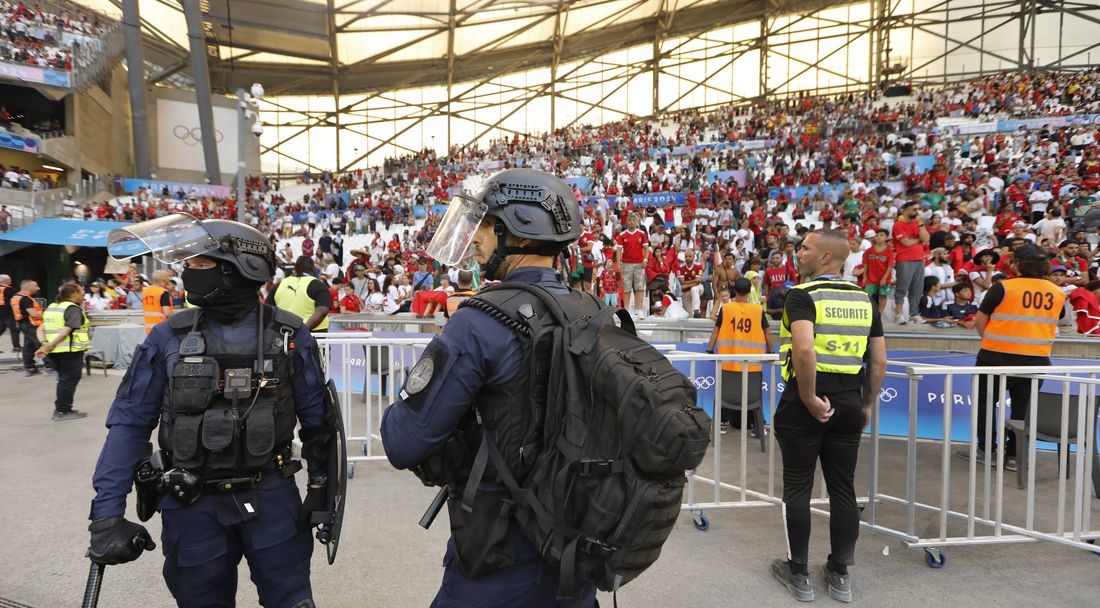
(434, 509)
(91, 589)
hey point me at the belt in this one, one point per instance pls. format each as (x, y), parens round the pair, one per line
(233, 484)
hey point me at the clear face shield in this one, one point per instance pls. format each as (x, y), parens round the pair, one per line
(170, 239)
(451, 242)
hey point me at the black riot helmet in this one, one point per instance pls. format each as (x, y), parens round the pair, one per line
(244, 247)
(526, 204)
(178, 237)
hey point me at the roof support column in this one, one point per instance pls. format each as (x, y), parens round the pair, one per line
(201, 73)
(451, 24)
(554, 62)
(135, 79)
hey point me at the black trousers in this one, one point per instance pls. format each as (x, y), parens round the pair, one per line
(803, 441)
(7, 323)
(30, 344)
(1019, 390)
(70, 366)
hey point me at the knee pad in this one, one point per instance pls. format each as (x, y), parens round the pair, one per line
(306, 603)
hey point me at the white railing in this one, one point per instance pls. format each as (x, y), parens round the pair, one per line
(370, 371)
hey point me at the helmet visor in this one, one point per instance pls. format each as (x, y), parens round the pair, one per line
(451, 242)
(170, 239)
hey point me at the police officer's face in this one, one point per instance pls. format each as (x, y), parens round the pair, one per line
(200, 262)
(484, 241)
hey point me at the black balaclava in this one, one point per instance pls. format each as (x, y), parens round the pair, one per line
(222, 292)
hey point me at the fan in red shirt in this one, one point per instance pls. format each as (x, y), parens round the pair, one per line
(777, 273)
(633, 253)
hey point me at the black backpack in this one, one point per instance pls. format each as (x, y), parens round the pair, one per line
(620, 429)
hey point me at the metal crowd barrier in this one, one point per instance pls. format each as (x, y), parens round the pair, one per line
(985, 511)
(989, 512)
(381, 364)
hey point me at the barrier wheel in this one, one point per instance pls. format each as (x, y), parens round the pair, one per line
(351, 470)
(701, 522)
(935, 558)
(366, 449)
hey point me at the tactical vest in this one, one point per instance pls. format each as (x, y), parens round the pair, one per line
(842, 328)
(53, 321)
(513, 414)
(202, 427)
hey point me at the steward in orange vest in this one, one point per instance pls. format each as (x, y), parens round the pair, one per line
(741, 328)
(156, 302)
(1017, 320)
(465, 290)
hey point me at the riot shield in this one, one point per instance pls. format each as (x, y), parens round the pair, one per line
(328, 532)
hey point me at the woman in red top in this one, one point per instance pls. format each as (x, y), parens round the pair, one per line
(350, 303)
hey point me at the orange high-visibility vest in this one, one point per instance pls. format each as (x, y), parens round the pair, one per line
(741, 333)
(1025, 322)
(3, 300)
(455, 299)
(17, 308)
(150, 304)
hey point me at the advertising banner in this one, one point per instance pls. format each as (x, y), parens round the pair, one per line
(738, 176)
(796, 192)
(132, 184)
(584, 184)
(22, 143)
(920, 164)
(660, 199)
(33, 73)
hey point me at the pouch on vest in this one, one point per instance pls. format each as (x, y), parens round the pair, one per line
(219, 426)
(186, 432)
(259, 435)
(194, 384)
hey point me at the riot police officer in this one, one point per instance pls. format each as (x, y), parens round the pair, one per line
(226, 382)
(477, 370)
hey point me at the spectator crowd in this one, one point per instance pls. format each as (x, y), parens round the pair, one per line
(927, 241)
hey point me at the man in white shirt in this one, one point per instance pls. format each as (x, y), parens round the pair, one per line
(1052, 227)
(1039, 200)
(855, 258)
(941, 269)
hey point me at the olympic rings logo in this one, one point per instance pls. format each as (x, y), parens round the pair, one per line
(192, 136)
(703, 382)
(887, 395)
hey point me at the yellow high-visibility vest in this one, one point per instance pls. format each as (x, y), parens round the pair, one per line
(292, 296)
(53, 321)
(842, 328)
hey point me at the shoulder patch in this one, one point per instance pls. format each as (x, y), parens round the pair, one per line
(420, 376)
(183, 319)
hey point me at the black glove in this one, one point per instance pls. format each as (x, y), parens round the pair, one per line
(316, 500)
(117, 541)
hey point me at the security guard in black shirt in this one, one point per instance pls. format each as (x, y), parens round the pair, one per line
(833, 356)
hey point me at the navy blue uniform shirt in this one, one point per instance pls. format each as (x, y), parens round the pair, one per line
(478, 350)
(138, 401)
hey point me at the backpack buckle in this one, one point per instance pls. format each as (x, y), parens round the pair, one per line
(596, 468)
(595, 547)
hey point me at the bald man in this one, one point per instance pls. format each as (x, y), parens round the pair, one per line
(7, 318)
(156, 300)
(833, 358)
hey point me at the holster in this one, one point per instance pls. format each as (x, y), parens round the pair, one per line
(148, 486)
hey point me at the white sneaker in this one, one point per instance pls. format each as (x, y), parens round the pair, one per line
(639, 314)
(916, 320)
(902, 321)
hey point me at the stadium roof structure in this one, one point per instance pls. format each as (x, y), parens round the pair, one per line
(310, 47)
(379, 73)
